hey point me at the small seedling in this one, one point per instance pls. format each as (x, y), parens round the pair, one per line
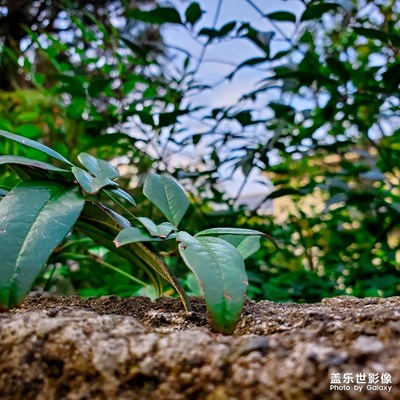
(39, 212)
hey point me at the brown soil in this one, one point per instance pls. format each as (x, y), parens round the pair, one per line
(112, 348)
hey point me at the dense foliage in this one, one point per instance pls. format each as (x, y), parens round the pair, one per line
(321, 125)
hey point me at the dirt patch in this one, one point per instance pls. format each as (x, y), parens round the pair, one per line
(112, 348)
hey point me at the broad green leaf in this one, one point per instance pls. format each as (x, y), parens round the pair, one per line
(193, 13)
(282, 16)
(99, 168)
(83, 178)
(134, 235)
(88, 183)
(219, 268)
(35, 216)
(17, 160)
(234, 231)
(166, 194)
(247, 245)
(35, 145)
(162, 230)
(159, 15)
(103, 225)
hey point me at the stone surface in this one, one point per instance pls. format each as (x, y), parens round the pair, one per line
(127, 349)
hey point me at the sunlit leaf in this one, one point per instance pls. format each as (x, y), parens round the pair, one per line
(35, 145)
(88, 183)
(99, 168)
(165, 193)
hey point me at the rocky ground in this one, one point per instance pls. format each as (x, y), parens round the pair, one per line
(127, 349)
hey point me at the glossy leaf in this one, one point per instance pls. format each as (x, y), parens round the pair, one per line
(219, 268)
(134, 235)
(234, 231)
(35, 145)
(247, 245)
(162, 230)
(89, 184)
(28, 162)
(103, 225)
(99, 168)
(35, 216)
(166, 194)
(123, 195)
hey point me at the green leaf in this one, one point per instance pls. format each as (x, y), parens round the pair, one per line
(215, 33)
(88, 183)
(162, 231)
(98, 167)
(135, 48)
(317, 10)
(193, 13)
(234, 231)
(282, 16)
(392, 76)
(83, 178)
(166, 194)
(98, 86)
(123, 195)
(35, 216)
(219, 268)
(103, 225)
(247, 245)
(159, 15)
(7, 125)
(18, 160)
(372, 34)
(35, 145)
(29, 131)
(244, 118)
(134, 235)
(227, 28)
